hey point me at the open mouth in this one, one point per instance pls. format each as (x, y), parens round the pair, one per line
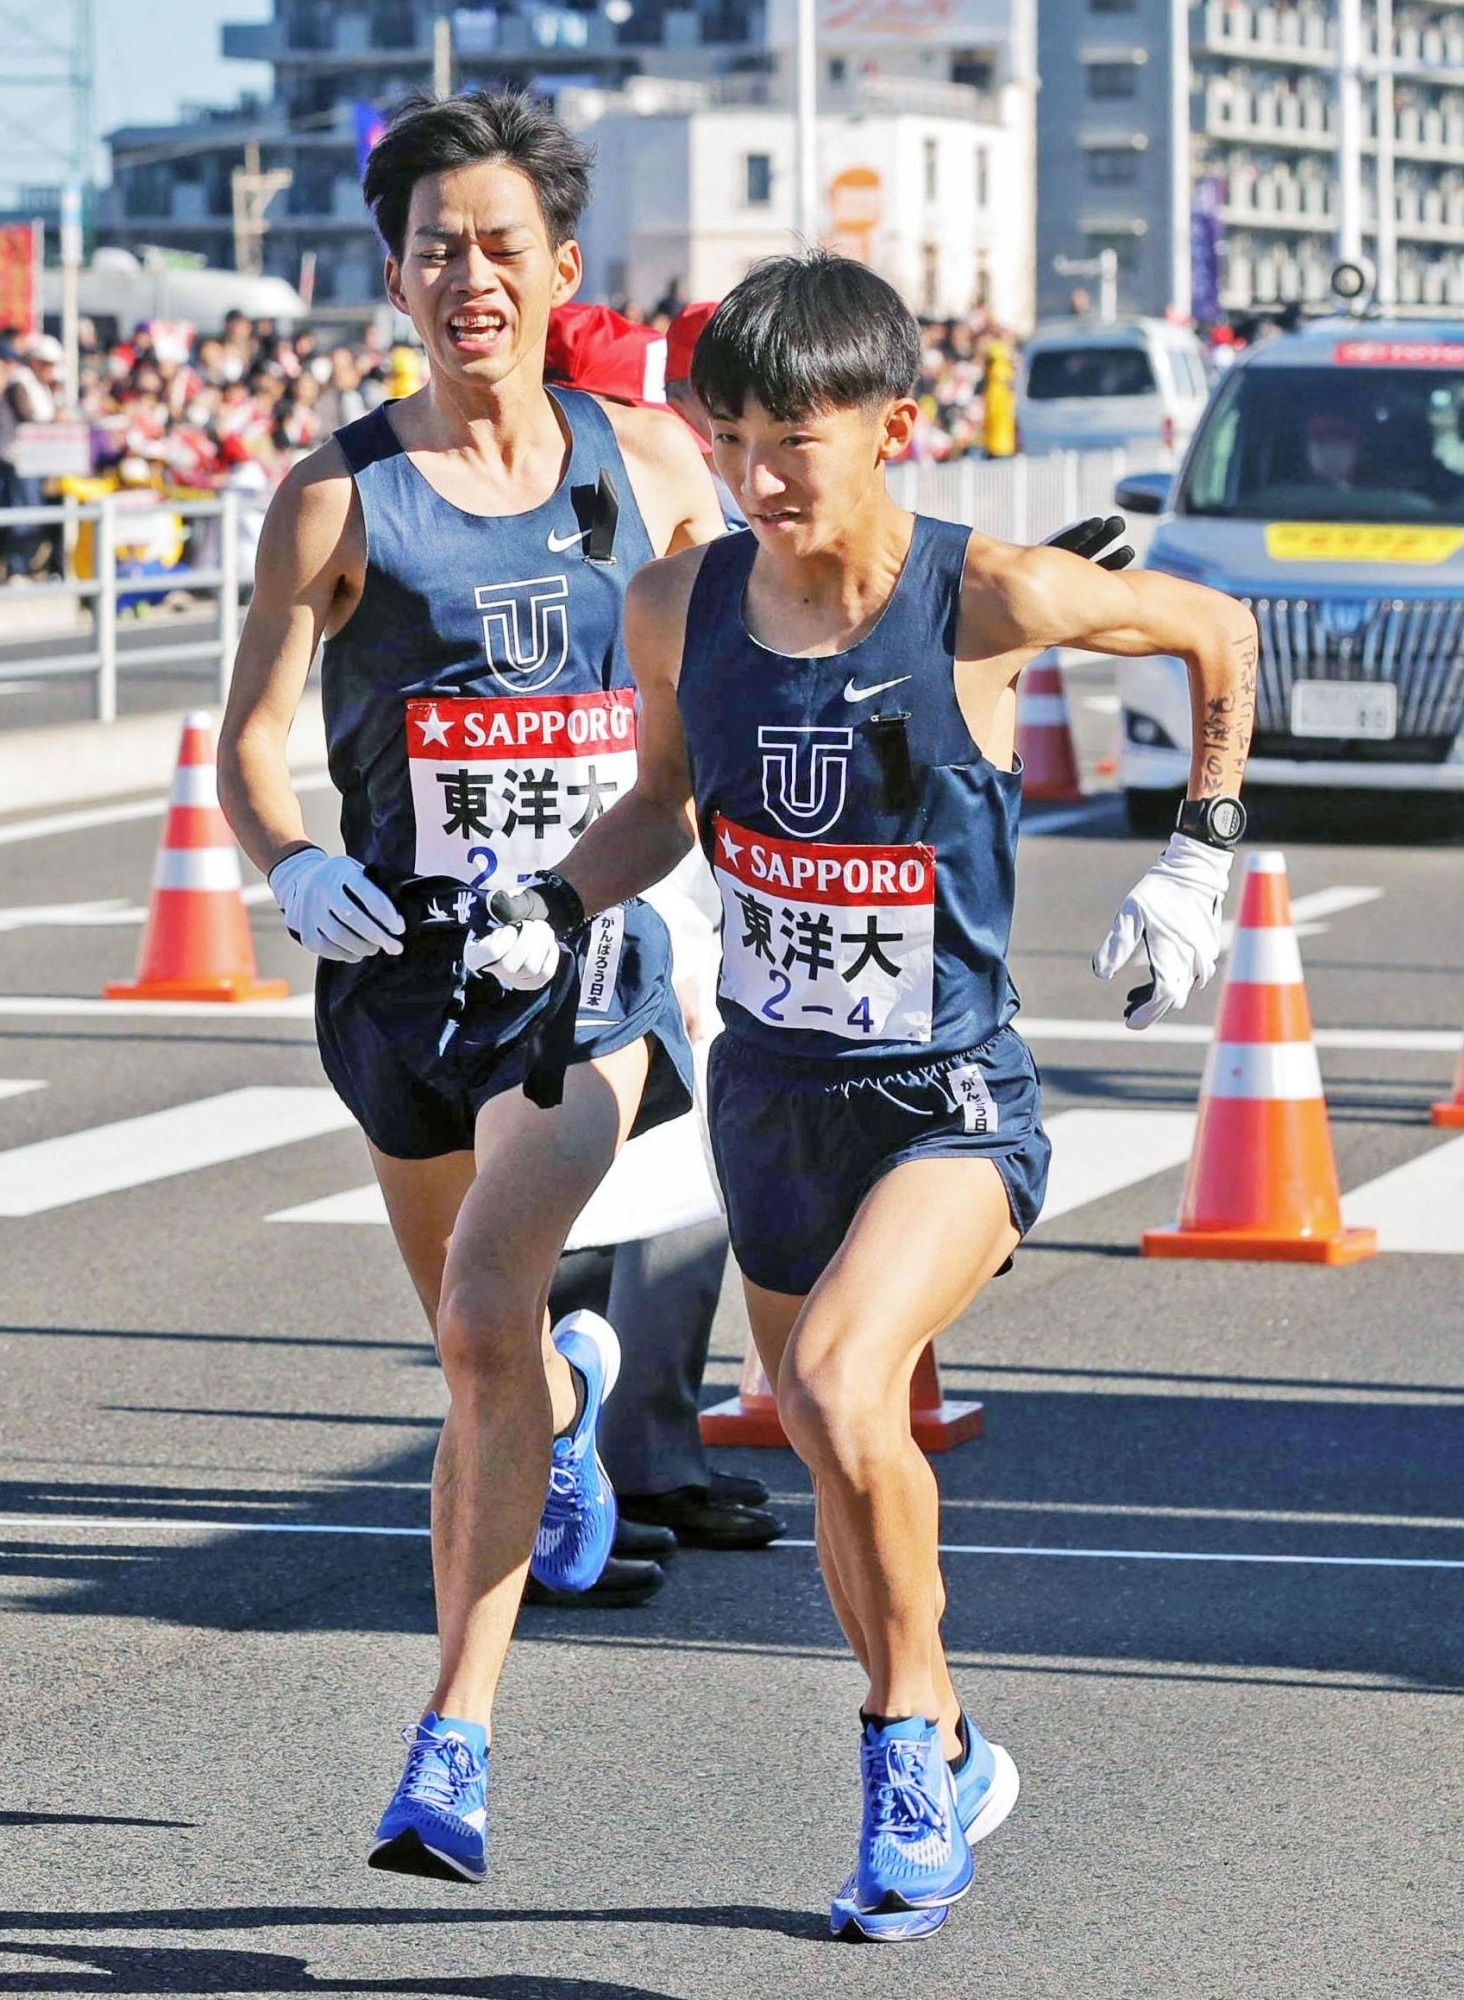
(476, 331)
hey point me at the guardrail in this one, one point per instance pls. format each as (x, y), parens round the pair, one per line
(220, 574)
(1021, 499)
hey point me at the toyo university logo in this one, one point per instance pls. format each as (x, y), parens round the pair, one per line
(804, 775)
(525, 630)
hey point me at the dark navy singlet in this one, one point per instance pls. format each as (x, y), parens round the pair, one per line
(864, 848)
(479, 710)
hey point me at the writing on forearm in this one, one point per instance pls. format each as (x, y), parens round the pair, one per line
(1227, 722)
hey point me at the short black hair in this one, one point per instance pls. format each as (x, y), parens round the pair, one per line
(807, 333)
(433, 135)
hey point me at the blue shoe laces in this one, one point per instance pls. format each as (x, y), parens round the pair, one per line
(900, 1806)
(440, 1769)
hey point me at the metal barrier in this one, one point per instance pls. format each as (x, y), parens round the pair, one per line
(100, 591)
(1018, 499)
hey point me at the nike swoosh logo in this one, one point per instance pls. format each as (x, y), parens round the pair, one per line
(852, 693)
(559, 543)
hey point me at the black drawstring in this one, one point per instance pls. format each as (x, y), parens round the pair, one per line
(892, 747)
(604, 518)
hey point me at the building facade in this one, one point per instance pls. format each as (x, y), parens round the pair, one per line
(1154, 107)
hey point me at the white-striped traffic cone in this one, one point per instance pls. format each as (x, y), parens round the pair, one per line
(197, 944)
(1045, 736)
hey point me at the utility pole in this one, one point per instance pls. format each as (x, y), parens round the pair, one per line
(1349, 130)
(442, 56)
(71, 295)
(253, 192)
(1387, 236)
(805, 121)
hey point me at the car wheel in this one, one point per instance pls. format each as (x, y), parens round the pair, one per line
(1150, 814)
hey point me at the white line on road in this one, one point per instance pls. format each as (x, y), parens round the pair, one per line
(16, 1086)
(1096, 1153)
(123, 1523)
(115, 910)
(1403, 1041)
(1418, 1206)
(51, 824)
(353, 1205)
(1307, 912)
(298, 1007)
(56, 1172)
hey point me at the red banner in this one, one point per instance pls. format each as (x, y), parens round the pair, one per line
(20, 277)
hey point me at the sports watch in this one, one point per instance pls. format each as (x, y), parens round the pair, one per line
(1217, 822)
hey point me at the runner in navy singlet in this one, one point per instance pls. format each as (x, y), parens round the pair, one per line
(463, 555)
(828, 703)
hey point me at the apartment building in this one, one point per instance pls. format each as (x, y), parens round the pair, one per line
(1152, 100)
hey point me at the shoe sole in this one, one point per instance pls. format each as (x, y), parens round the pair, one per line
(852, 1926)
(1001, 1796)
(408, 1854)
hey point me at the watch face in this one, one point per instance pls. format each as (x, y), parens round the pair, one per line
(1226, 819)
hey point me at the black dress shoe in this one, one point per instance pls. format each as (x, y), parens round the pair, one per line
(701, 1520)
(640, 1541)
(621, 1584)
(741, 1491)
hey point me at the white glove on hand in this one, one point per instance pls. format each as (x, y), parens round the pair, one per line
(333, 908)
(521, 956)
(1175, 911)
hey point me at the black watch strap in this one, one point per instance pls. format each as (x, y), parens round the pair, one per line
(1218, 822)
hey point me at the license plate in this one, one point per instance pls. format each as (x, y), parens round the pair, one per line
(1345, 708)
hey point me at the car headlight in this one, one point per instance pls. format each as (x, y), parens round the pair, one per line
(1144, 729)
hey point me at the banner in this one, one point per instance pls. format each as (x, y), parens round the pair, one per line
(20, 265)
(1207, 249)
(370, 124)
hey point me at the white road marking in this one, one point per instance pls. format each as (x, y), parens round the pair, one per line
(53, 1173)
(86, 916)
(1398, 1041)
(170, 1525)
(51, 824)
(1418, 1206)
(17, 1086)
(1096, 1153)
(1307, 911)
(358, 1204)
(25, 1006)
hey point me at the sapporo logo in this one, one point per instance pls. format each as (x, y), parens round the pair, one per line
(804, 775)
(525, 630)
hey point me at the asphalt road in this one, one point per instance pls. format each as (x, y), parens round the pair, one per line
(1241, 1777)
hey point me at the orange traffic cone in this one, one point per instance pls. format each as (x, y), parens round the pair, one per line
(1451, 1111)
(1262, 1182)
(197, 944)
(1044, 735)
(751, 1416)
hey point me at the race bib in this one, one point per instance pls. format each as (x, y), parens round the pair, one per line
(503, 788)
(837, 939)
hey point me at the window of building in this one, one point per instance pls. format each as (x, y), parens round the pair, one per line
(758, 179)
(838, 69)
(1113, 166)
(1113, 79)
(931, 155)
(1112, 6)
(983, 177)
(930, 279)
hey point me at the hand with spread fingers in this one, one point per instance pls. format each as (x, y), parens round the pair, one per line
(1174, 912)
(1092, 539)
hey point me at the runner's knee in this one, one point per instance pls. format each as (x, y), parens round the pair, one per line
(485, 1332)
(836, 1417)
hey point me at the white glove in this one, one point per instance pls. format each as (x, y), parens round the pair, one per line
(522, 956)
(1175, 911)
(333, 908)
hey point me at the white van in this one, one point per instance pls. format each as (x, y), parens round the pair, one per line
(118, 293)
(1138, 385)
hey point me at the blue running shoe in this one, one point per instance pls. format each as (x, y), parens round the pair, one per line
(437, 1822)
(575, 1534)
(987, 1783)
(911, 1851)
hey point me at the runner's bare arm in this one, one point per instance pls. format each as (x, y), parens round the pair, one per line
(1034, 598)
(646, 833)
(669, 477)
(306, 580)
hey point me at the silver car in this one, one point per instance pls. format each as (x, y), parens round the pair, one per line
(1324, 488)
(1092, 385)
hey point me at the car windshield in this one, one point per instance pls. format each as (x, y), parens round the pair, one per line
(1333, 444)
(1056, 372)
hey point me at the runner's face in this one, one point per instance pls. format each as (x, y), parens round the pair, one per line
(801, 483)
(478, 274)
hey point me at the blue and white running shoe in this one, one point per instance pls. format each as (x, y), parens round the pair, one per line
(575, 1534)
(914, 1860)
(437, 1822)
(987, 1784)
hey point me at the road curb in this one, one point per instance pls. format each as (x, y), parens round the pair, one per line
(72, 763)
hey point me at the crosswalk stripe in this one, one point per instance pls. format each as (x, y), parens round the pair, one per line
(106, 1158)
(1418, 1206)
(28, 1006)
(16, 1086)
(1098, 1153)
(357, 1204)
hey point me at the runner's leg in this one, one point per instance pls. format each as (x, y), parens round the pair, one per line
(535, 1171)
(422, 1202)
(925, 1240)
